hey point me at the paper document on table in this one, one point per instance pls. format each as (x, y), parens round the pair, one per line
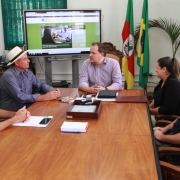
(35, 121)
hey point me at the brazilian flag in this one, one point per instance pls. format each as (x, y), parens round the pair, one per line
(143, 47)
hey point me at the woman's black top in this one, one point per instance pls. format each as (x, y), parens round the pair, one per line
(167, 98)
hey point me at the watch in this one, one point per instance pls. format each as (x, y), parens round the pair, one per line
(106, 88)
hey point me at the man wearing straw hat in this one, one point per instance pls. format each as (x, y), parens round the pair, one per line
(19, 86)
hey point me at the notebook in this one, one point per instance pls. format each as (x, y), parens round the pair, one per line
(107, 94)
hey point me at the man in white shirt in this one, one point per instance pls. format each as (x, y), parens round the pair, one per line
(66, 34)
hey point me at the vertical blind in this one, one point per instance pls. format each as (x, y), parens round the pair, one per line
(12, 15)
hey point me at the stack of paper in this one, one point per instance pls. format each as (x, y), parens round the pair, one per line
(74, 126)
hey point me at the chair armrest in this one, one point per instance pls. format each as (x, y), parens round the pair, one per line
(169, 150)
(162, 123)
(167, 117)
(169, 168)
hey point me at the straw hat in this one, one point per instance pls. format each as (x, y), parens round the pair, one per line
(15, 54)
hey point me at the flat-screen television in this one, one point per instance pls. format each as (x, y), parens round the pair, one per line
(53, 32)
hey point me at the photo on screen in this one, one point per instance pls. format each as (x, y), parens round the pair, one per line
(56, 36)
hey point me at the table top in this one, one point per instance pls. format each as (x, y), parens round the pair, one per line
(116, 146)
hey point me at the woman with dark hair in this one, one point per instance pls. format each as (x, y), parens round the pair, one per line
(47, 38)
(167, 92)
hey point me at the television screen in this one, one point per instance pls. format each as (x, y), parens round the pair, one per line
(59, 32)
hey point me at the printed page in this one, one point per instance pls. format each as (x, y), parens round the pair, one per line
(33, 121)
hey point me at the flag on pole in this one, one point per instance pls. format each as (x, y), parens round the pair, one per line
(128, 46)
(143, 47)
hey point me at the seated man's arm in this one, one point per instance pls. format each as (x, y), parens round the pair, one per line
(21, 115)
(166, 128)
(173, 139)
(112, 87)
(6, 114)
(40, 86)
(51, 95)
(93, 89)
(116, 77)
(83, 79)
(86, 88)
(159, 134)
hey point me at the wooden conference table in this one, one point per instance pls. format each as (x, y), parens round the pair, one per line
(117, 146)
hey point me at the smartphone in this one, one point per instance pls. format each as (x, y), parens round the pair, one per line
(45, 120)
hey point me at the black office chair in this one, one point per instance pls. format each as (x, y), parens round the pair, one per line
(166, 117)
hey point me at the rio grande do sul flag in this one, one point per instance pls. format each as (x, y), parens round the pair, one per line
(128, 46)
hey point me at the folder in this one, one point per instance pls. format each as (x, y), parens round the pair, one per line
(132, 99)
